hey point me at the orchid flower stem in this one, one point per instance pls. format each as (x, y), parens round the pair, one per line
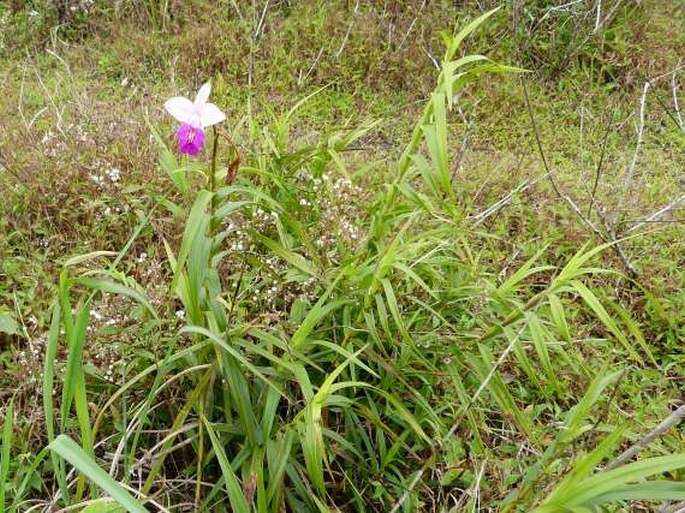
(212, 180)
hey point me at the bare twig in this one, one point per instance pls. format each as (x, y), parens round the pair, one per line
(486, 381)
(20, 106)
(638, 146)
(656, 215)
(460, 157)
(570, 55)
(300, 78)
(676, 508)
(676, 105)
(666, 424)
(476, 485)
(582, 140)
(562, 7)
(411, 27)
(606, 237)
(598, 18)
(606, 18)
(408, 491)
(599, 167)
(584, 218)
(432, 58)
(504, 201)
(260, 25)
(617, 248)
(538, 141)
(237, 10)
(349, 30)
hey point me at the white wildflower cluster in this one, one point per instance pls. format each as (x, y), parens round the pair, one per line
(53, 145)
(110, 211)
(153, 273)
(102, 320)
(30, 362)
(103, 174)
(275, 291)
(4, 24)
(339, 205)
(107, 335)
(263, 221)
(114, 174)
(239, 239)
(332, 209)
(41, 242)
(273, 287)
(108, 360)
(325, 240)
(57, 143)
(82, 6)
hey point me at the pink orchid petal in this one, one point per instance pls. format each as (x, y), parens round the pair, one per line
(203, 94)
(181, 108)
(210, 115)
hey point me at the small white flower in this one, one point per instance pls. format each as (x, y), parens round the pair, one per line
(114, 174)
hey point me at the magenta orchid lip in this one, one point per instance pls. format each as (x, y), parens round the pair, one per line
(194, 116)
(190, 139)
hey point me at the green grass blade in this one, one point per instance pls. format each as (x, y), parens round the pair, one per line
(607, 482)
(454, 42)
(233, 487)
(115, 288)
(48, 402)
(593, 302)
(647, 491)
(71, 452)
(6, 446)
(76, 339)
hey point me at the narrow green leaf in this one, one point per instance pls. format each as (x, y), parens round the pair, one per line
(71, 452)
(233, 487)
(606, 482)
(6, 454)
(112, 287)
(454, 42)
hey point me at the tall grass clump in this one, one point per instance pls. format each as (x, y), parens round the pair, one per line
(321, 347)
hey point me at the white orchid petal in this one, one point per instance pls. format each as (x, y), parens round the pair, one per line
(203, 94)
(210, 115)
(181, 108)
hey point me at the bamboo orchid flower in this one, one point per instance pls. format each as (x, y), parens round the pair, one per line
(194, 117)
